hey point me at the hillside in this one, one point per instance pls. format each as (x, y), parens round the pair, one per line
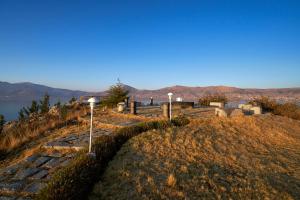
(231, 158)
(233, 93)
(30, 91)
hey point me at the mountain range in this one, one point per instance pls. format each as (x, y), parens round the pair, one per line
(30, 91)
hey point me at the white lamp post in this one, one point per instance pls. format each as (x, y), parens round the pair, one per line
(170, 100)
(92, 102)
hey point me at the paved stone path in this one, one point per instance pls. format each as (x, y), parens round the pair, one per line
(25, 178)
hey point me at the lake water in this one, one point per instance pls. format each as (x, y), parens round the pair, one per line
(10, 109)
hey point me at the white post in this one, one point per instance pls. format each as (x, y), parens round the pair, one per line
(170, 100)
(92, 103)
(91, 129)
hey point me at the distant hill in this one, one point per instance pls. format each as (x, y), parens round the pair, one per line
(233, 93)
(29, 91)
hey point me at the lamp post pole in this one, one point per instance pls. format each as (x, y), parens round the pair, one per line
(170, 101)
(92, 104)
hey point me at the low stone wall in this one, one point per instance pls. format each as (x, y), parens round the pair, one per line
(181, 104)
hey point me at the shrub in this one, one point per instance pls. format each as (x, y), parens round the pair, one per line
(75, 180)
(116, 94)
(204, 101)
(63, 112)
(290, 110)
(2, 122)
(45, 104)
(72, 100)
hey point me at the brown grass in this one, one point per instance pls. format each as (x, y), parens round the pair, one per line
(23, 132)
(253, 157)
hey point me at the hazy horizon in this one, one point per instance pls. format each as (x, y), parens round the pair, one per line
(150, 88)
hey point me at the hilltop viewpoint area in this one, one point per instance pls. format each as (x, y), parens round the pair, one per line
(252, 157)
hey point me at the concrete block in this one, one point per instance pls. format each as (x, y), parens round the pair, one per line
(256, 110)
(220, 112)
(217, 104)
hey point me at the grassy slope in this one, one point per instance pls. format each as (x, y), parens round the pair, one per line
(247, 157)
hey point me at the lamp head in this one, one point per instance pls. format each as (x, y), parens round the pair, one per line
(92, 102)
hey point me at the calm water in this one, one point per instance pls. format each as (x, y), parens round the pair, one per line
(10, 109)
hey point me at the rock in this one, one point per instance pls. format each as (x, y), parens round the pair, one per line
(24, 173)
(65, 163)
(237, 113)
(217, 104)
(7, 198)
(31, 158)
(40, 161)
(256, 110)
(11, 169)
(41, 174)
(220, 112)
(11, 186)
(34, 187)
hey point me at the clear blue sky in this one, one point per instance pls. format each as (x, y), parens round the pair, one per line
(87, 45)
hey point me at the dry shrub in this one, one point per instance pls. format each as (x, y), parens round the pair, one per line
(204, 101)
(171, 181)
(290, 110)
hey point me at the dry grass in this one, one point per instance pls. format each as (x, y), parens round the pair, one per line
(35, 146)
(254, 157)
(23, 132)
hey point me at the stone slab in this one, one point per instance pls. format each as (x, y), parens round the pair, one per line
(24, 173)
(34, 187)
(41, 174)
(7, 197)
(11, 169)
(41, 160)
(52, 163)
(11, 186)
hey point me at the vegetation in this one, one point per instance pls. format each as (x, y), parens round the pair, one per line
(290, 110)
(45, 104)
(229, 158)
(72, 100)
(204, 101)
(75, 180)
(27, 128)
(116, 94)
(2, 122)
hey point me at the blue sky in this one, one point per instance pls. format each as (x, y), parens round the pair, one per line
(87, 45)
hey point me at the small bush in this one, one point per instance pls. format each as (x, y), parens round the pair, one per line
(2, 122)
(75, 180)
(290, 110)
(116, 93)
(204, 101)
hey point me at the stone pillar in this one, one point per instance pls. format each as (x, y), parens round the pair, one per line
(151, 101)
(127, 102)
(166, 110)
(133, 107)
